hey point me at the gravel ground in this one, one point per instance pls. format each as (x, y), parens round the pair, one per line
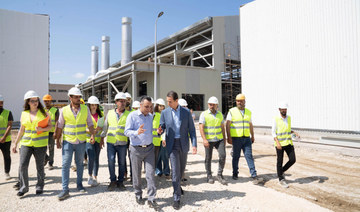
(240, 195)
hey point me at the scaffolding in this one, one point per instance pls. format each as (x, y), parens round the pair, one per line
(231, 76)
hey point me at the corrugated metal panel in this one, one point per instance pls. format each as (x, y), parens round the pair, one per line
(306, 52)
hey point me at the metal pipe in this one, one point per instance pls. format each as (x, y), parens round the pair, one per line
(94, 60)
(155, 58)
(105, 52)
(126, 40)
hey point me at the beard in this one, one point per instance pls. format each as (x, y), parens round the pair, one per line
(283, 114)
(127, 104)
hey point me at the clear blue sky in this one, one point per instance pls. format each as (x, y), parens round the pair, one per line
(76, 25)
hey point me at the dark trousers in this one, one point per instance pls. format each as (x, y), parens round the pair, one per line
(5, 149)
(25, 155)
(51, 145)
(157, 151)
(220, 146)
(290, 151)
(177, 157)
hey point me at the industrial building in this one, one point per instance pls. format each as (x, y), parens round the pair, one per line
(199, 61)
(24, 57)
(59, 94)
(307, 53)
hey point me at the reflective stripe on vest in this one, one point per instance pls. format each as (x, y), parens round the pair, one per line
(240, 124)
(75, 129)
(4, 117)
(97, 136)
(156, 123)
(116, 128)
(283, 131)
(30, 137)
(212, 126)
(52, 112)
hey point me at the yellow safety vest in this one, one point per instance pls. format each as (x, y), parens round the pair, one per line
(75, 129)
(97, 136)
(116, 128)
(52, 112)
(4, 117)
(30, 137)
(156, 123)
(240, 125)
(283, 131)
(212, 127)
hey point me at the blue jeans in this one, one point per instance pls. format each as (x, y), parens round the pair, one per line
(67, 153)
(162, 164)
(242, 143)
(93, 151)
(121, 155)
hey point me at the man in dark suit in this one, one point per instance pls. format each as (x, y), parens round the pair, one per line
(178, 123)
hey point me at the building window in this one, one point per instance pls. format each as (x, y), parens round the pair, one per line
(195, 101)
(63, 91)
(142, 88)
(63, 101)
(52, 90)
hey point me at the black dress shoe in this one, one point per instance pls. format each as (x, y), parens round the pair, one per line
(153, 204)
(235, 177)
(182, 191)
(38, 192)
(16, 186)
(20, 194)
(140, 201)
(176, 205)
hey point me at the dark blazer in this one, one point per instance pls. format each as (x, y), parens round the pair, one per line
(187, 128)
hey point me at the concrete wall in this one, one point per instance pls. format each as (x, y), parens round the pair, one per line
(307, 53)
(189, 80)
(24, 57)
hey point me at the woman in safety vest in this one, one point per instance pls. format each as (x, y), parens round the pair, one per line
(161, 157)
(33, 136)
(93, 150)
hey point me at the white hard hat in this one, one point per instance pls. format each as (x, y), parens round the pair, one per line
(1, 98)
(74, 91)
(30, 94)
(182, 103)
(93, 100)
(160, 102)
(152, 100)
(283, 105)
(213, 100)
(135, 104)
(120, 95)
(127, 95)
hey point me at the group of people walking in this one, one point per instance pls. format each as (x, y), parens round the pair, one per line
(151, 135)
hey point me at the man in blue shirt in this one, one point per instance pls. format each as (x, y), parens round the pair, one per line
(139, 129)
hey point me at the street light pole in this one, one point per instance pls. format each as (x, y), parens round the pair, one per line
(155, 58)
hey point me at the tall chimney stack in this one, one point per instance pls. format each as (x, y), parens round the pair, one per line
(126, 41)
(94, 60)
(105, 52)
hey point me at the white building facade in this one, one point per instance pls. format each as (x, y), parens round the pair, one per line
(307, 53)
(24, 57)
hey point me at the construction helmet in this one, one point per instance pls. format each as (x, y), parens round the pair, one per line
(135, 104)
(283, 105)
(160, 102)
(240, 96)
(93, 100)
(1, 98)
(75, 91)
(183, 103)
(30, 94)
(127, 95)
(120, 95)
(47, 97)
(213, 100)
